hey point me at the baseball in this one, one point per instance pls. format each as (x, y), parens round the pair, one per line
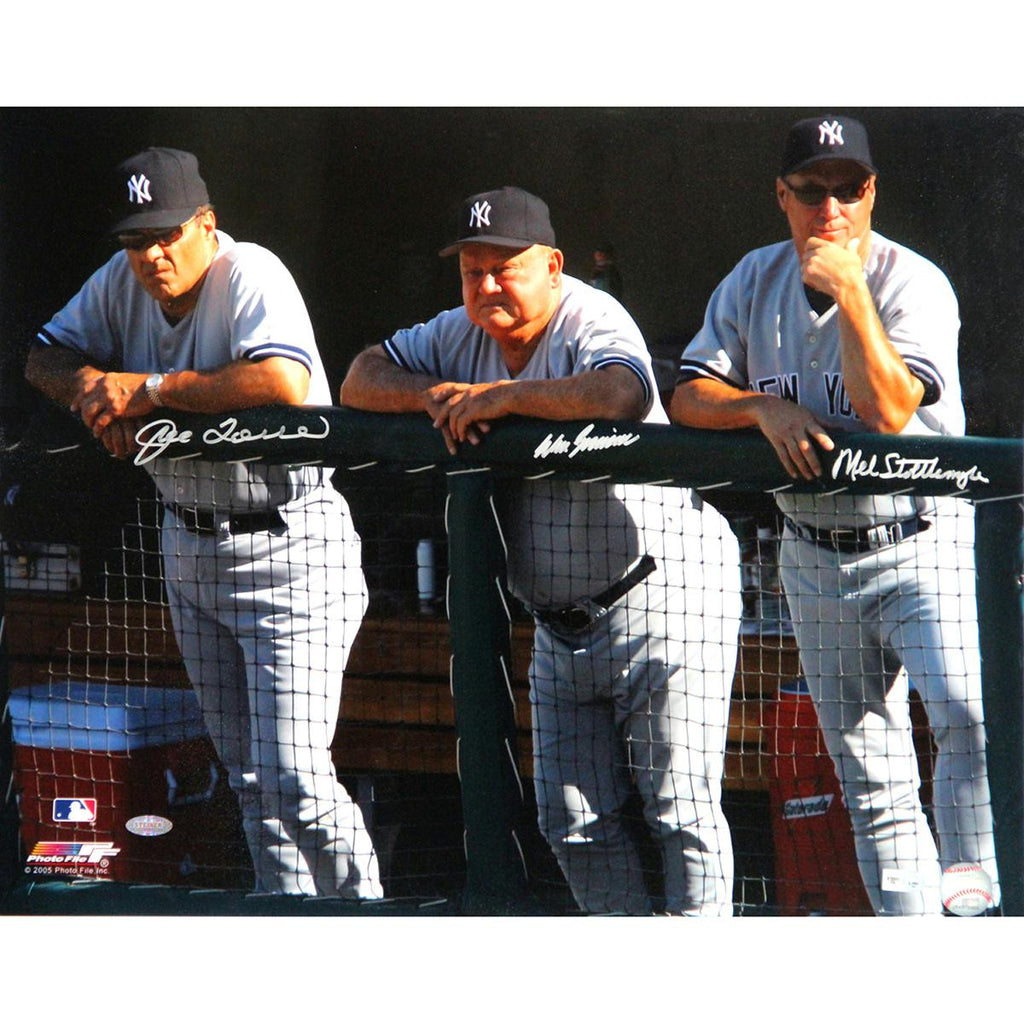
(966, 890)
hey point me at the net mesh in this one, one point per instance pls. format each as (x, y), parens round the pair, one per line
(220, 702)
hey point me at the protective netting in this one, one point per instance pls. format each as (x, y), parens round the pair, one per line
(217, 699)
(872, 636)
(174, 709)
(886, 624)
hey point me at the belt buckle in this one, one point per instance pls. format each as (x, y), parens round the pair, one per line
(189, 517)
(192, 519)
(574, 619)
(837, 537)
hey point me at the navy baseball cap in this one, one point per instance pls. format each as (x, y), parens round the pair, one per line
(826, 138)
(506, 216)
(157, 188)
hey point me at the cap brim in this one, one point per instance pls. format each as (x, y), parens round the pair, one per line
(154, 219)
(826, 158)
(503, 241)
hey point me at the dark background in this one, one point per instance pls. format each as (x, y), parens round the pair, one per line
(357, 201)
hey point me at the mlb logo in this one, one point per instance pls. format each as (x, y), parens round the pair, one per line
(74, 809)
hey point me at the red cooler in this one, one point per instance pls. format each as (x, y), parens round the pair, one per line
(122, 783)
(815, 860)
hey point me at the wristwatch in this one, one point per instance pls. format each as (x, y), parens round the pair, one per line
(153, 382)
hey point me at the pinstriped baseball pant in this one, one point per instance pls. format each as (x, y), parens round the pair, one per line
(642, 700)
(858, 619)
(265, 622)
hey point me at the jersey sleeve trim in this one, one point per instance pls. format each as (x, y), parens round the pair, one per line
(267, 351)
(691, 370)
(44, 337)
(395, 355)
(619, 361)
(929, 376)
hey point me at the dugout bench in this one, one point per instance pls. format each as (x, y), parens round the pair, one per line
(397, 712)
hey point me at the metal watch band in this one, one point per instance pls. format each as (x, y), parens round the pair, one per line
(153, 383)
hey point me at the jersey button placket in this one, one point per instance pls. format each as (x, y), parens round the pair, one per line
(811, 339)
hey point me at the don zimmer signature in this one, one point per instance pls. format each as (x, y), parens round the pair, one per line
(157, 436)
(584, 441)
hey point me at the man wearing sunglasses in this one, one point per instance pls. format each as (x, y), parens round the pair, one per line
(261, 563)
(841, 329)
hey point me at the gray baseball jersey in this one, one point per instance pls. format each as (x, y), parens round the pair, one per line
(761, 334)
(249, 308)
(647, 682)
(860, 618)
(568, 540)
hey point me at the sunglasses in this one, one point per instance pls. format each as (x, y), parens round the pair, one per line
(140, 241)
(815, 195)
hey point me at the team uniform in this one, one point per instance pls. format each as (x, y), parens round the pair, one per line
(630, 681)
(905, 599)
(262, 568)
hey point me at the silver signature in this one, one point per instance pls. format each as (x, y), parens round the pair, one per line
(584, 441)
(157, 436)
(894, 466)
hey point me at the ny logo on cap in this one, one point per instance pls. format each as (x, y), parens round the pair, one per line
(833, 132)
(480, 215)
(138, 189)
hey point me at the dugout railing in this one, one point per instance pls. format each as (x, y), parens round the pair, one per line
(399, 453)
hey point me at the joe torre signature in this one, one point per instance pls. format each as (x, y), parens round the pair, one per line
(157, 436)
(852, 465)
(584, 441)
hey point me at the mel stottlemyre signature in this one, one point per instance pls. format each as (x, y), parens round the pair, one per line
(852, 465)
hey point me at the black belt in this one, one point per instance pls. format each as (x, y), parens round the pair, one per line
(869, 539)
(200, 520)
(578, 617)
